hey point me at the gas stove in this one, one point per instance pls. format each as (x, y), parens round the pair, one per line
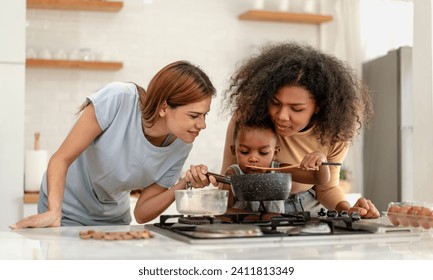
(292, 227)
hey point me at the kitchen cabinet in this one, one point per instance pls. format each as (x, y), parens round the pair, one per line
(77, 5)
(275, 16)
(77, 64)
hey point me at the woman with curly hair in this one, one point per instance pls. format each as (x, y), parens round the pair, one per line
(317, 104)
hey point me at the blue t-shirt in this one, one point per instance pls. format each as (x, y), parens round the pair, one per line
(121, 159)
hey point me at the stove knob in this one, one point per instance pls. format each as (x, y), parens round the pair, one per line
(322, 212)
(355, 216)
(344, 213)
(332, 213)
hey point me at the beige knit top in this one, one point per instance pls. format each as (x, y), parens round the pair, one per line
(293, 150)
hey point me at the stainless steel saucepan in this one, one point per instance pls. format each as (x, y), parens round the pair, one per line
(201, 202)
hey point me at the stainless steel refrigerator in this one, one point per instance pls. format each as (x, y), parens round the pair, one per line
(388, 173)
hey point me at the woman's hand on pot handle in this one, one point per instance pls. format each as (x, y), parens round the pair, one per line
(196, 175)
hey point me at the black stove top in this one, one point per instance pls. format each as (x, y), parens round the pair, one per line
(252, 227)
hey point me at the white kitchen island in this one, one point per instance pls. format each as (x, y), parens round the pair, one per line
(64, 243)
(66, 255)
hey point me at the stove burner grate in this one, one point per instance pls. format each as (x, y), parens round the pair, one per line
(192, 220)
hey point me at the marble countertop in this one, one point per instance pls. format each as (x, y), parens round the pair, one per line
(65, 243)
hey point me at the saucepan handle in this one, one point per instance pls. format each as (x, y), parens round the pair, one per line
(220, 178)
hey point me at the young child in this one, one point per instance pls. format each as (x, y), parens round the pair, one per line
(257, 145)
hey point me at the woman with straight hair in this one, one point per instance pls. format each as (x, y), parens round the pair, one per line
(125, 138)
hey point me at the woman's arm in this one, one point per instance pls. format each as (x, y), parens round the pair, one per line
(79, 138)
(364, 207)
(228, 187)
(228, 158)
(154, 200)
(312, 177)
(322, 176)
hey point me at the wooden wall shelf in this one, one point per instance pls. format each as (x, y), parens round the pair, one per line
(76, 5)
(78, 64)
(31, 197)
(262, 15)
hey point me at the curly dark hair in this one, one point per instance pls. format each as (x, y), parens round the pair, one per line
(344, 100)
(264, 123)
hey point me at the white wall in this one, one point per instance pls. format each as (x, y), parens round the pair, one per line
(380, 36)
(423, 101)
(145, 35)
(12, 38)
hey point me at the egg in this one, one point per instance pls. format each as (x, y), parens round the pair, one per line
(392, 214)
(394, 208)
(402, 216)
(424, 216)
(412, 215)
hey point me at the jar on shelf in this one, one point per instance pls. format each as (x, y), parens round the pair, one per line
(259, 4)
(31, 53)
(86, 55)
(45, 54)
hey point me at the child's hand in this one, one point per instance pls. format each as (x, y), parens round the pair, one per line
(312, 161)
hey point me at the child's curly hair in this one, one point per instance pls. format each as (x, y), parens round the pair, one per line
(343, 99)
(264, 124)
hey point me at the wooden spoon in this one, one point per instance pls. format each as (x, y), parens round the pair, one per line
(286, 166)
(273, 168)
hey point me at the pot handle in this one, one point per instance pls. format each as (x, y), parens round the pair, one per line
(220, 178)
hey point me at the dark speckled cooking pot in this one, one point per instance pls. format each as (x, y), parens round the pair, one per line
(258, 187)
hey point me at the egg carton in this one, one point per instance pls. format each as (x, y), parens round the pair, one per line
(411, 214)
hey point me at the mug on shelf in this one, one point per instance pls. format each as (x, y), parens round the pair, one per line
(60, 55)
(31, 53)
(45, 54)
